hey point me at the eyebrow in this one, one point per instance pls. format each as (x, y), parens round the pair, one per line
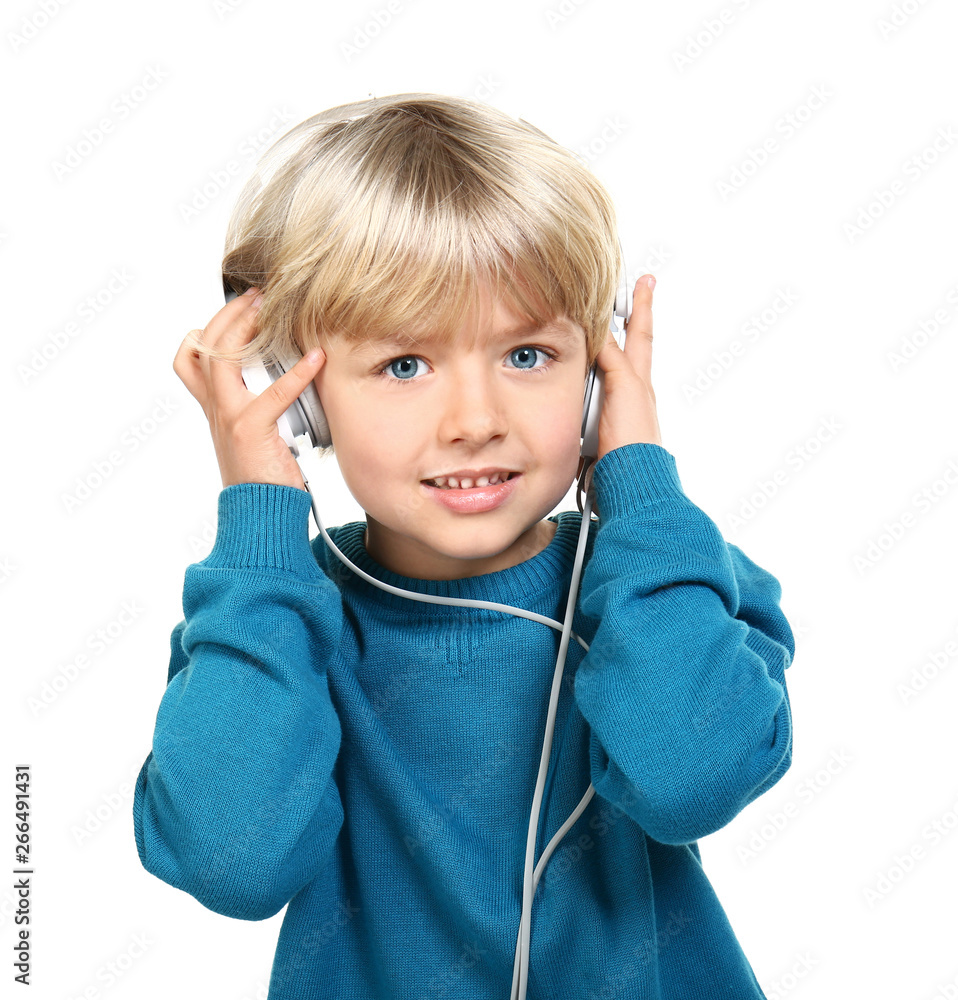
(561, 329)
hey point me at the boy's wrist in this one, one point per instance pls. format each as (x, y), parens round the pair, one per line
(634, 476)
(263, 525)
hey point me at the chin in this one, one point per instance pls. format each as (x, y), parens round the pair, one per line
(482, 543)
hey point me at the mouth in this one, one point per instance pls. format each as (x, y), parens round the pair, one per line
(479, 492)
(470, 482)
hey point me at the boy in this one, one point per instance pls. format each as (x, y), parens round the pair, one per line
(370, 761)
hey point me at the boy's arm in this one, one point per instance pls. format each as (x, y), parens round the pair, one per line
(684, 686)
(236, 804)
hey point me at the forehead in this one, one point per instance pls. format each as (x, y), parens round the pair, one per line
(560, 331)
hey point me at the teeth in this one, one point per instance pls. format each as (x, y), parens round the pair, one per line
(454, 483)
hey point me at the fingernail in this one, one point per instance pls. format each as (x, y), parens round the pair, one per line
(251, 290)
(258, 301)
(313, 356)
(650, 281)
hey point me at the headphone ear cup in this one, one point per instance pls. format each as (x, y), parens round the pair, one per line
(595, 381)
(316, 417)
(310, 408)
(623, 300)
(306, 414)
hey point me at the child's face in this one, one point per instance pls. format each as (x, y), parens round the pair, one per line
(507, 401)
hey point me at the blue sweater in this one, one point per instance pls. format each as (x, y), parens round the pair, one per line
(371, 761)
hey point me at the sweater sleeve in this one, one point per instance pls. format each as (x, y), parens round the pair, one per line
(236, 803)
(684, 684)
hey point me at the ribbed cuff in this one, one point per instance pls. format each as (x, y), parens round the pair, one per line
(263, 525)
(634, 476)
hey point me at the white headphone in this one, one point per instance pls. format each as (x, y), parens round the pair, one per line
(306, 416)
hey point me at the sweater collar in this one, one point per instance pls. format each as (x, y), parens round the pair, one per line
(546, 573)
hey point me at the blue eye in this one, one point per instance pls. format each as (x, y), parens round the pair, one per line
(410, 367)
(403, 368)
(527, 357)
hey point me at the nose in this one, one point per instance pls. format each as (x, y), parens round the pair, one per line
(473, 410)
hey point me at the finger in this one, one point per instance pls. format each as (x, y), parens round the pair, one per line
(277, 399)
(638, 341)
(223, 321)
(186, 364)
(612, 359)
(225, 317)
(225, 379)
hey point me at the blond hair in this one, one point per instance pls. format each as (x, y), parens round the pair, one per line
(384, 216)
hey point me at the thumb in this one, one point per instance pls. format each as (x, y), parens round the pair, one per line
(282, 392)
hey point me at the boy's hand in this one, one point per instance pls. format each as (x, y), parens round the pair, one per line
(628, 412)
(243, 425)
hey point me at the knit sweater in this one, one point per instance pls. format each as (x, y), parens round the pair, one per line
(371, 761)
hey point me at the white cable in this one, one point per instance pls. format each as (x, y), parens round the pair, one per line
(520, 974)
(304, 449)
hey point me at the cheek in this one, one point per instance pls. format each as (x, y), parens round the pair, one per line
(555, 437)
(363, 435)
(561, 418)
(373, 446)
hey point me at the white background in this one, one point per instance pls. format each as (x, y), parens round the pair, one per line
(842, 238)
